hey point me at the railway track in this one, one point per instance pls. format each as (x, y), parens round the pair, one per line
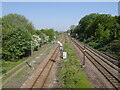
(108, 69)
(40, 78)
(108, 57)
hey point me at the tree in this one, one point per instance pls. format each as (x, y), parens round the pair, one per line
(16, 44)
(10, 21)
(101, 31)
(50, 33)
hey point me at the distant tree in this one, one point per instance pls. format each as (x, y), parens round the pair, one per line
(50, 33)
(42, 36)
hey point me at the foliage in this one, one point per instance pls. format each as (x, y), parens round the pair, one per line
(71, 74)
(10, 21)
(98, 28)
(50, 33)
(16, 44)
(93, 44)
(44, 37)
(8, 65)
(19, 37)
(16, 31)
(35, 42)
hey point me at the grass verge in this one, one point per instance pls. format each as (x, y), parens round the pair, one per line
(7, 65)
(8, 75)
(71, 74)
(20, 66)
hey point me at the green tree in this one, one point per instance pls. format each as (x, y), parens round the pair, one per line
(16, 33)
(50, 33)
(10, 21)
(16, 44)
(101, 31)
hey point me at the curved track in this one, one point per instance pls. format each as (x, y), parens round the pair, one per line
(108, 69)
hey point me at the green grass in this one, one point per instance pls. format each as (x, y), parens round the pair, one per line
(17, 76)
(21, 73)
(8, 75)
(19, 67)
(8, 65)
(71, 74)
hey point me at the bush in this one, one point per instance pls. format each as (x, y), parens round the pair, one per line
(16, 44)
(93, 44)
(115, 47)
(102, 49)
(44, 37)
(50, 33)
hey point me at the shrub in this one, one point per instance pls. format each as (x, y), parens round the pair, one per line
(16, 44)
(93, 44)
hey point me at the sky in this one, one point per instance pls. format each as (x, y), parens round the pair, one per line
(58, 15)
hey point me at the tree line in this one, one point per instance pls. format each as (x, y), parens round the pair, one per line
(101, 31)
(19, 37)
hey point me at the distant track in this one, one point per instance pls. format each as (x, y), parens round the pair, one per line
(108, 69)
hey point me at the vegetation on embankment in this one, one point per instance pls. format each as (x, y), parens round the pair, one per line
(20, 65)
(101, 31)
(19, 38)
(71, 74)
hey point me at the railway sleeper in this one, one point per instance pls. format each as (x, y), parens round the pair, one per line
(117, 85)
(104, 72)
(113, 66)
(99, 67)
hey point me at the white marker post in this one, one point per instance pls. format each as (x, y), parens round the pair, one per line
(64, 55)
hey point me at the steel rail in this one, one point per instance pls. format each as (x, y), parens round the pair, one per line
(109, 76)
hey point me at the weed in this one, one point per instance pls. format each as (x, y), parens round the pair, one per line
(71, 74)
